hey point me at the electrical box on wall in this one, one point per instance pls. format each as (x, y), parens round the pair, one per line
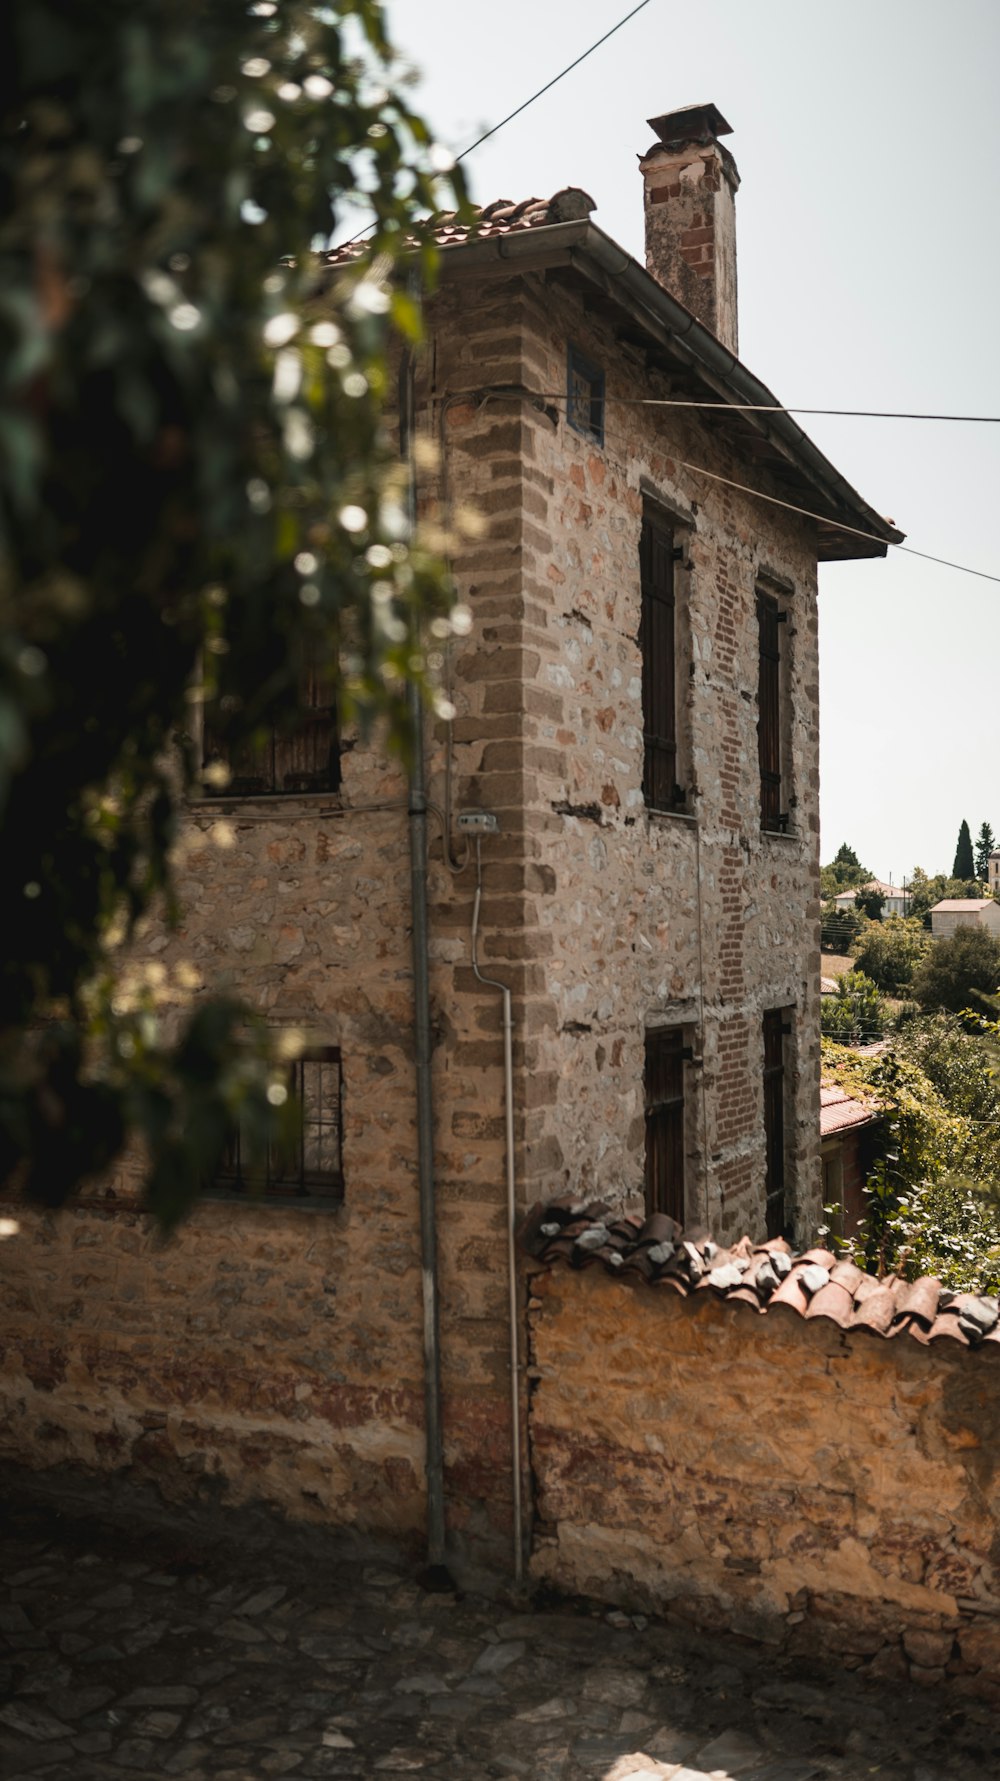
(477, 822)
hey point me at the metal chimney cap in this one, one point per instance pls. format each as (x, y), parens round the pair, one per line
(692, 123)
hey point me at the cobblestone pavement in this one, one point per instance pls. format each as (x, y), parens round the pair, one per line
(175, 1653)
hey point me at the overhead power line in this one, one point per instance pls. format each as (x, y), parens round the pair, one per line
(869, 414)
(550, 83)
(825, 519)
(520, 395)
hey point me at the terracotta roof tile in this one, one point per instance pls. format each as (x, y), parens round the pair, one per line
(839, 1111)
(657, 1251)
(502, 217)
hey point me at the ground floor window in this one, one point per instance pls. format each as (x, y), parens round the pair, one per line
(664, 1096)
(309, 1164)
(776, 1027)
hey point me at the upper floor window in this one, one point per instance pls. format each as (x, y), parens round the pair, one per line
(585, 396)
(658, 646)
(664, 1097)
(298, 752)
(309, 1164)
(771, 713)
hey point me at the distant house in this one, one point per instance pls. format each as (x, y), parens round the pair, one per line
(993, 872)
(895, 898)
(953, 913)
(849, 1130)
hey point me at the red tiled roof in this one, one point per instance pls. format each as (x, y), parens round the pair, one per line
(763, 1275)
(502, 217)
(838, 1112)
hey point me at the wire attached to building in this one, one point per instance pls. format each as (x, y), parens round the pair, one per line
(840, 525)
(866, 414)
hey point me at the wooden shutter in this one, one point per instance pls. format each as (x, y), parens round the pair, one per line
(657, 643)
(300, 755)
(307, 756)
(769, 711)
(664, 1097)
(774, 1120)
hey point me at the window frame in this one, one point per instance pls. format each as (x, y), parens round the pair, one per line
(579, 367)
(659, 631)
(775, 1028)
(315, 706)
(274, 1183)
(772, 711)
(667, 1052)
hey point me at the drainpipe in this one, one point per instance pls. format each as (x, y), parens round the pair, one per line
(436, 1575)
(512, 1305)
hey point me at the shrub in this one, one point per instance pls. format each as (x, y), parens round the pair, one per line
(856, 1014)
(954, 969)
(838, 928)
(890, 951)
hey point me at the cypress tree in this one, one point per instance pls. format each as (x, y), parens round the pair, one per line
(965, 865)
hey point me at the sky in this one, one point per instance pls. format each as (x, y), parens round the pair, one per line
(867, 136)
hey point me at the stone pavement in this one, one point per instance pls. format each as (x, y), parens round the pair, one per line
(177, 1651)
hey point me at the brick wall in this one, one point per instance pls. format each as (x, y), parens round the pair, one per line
(833, 1495)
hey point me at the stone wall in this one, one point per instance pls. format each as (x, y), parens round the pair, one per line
(276, 1351)
(834, 1495)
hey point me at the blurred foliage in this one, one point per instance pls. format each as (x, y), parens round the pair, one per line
(889, 952)
(194, 486)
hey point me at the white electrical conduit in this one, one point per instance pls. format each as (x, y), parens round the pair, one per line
(508, 1086)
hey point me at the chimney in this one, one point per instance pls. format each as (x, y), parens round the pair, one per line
(690, 191)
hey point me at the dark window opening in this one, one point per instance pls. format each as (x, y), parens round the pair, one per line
(775, 1028)
(769, 620)
(298, 752)
(664, 1097)
(309, 1165)
(658, 648)
(585, 397)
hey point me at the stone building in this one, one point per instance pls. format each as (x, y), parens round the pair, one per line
(637, 713)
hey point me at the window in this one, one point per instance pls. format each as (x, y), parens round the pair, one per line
(770, 618)
(299, 753)
(309, 1166)
(664, 1095)
(775, 1029)
(658, 646)
(585, 397)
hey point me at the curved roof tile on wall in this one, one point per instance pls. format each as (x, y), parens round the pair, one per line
(765, 1276)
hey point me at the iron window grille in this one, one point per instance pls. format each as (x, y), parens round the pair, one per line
(309, 1164)
(666, 1054)
(298, 752)
(658, 649)
(585, 396)
(775, 1030)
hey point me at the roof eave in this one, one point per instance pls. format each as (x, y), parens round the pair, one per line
(586, 250)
